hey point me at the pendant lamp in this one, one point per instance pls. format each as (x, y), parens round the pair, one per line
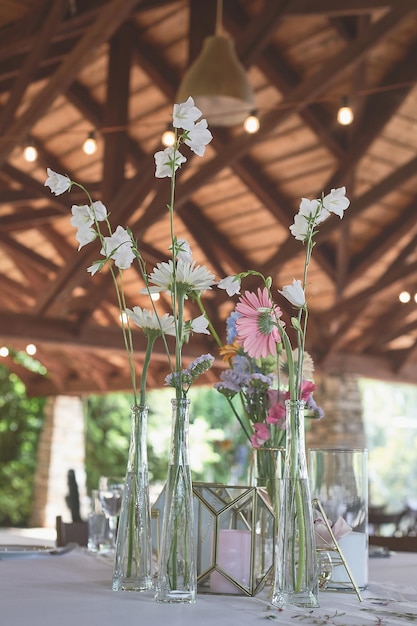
(218, 83)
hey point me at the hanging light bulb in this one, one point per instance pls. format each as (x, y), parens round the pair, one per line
(404, 297)
(345, 113)
(31, 349)
(217, 81)
(90, 144)
(4, 351)
(251, 123)
(168, 137)
(30, 152)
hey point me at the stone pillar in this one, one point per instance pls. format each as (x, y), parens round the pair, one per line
(61, 448)
(342, 426)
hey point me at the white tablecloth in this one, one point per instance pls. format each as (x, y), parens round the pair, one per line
(73, 589)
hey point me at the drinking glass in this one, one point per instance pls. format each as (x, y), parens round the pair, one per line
(110, 491)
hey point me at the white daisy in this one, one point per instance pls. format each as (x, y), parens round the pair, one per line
(148, 320)
(190, 277)
(308, 366)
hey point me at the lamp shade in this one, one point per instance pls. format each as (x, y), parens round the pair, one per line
(218, 83)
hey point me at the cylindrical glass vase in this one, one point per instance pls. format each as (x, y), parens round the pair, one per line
(133, 556)
(177, 573)
(296, 580)
(339, 481)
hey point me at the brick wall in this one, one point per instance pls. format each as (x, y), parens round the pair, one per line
(342, 426)
(61, 448)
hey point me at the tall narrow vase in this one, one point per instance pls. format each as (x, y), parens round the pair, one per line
(296, 580)
(267, 468)
(133, 557)
(177, 574)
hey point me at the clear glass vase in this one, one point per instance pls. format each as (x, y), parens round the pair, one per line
(177, 574)
(133, 556)
(266, 468)
(296, 575)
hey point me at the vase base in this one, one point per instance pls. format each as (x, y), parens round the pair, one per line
(141, 584)
(176, 596)
(306, 599)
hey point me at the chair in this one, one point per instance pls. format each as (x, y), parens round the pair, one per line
(378, 520)
(397, 544)
(71, 532)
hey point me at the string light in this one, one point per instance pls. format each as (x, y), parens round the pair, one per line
(90, 144)
(168, 138)
(251, 123)
(404, 297)
(30, 152)
(4, 351)
(31, 349)
(345, 113)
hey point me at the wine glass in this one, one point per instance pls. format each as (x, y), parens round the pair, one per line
(110, 492)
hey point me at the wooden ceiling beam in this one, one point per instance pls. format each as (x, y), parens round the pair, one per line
(27, 71)
(296, 100)
(23, 252)
(404, 225)
(280, 74)
(349, 7)
(386, 100)
(116, 113)
(259, 31)
(110, 19)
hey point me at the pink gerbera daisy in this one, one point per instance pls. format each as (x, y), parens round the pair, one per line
(257, 329)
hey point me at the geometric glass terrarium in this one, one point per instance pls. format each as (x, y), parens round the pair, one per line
(234, 529)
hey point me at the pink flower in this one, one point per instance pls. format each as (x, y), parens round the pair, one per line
(260, 435)
(257, 328)
(307, 389)
(323, 538)
(276, 415)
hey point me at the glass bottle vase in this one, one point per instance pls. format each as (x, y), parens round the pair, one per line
(296, 576)
(177, 574)
(133, 556)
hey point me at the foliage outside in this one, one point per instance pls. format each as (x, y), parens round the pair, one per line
(20, 425)
(219, 451)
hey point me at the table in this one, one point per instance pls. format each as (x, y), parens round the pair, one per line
(73, 589)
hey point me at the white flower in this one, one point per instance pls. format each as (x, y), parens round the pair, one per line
(81, 216)
(310, 214)
(164, 160)
(57, 182)
(200, 325)
(185, 114)
(300, 227)
(84, 235)
(198, 138)
(294, 293)
(184, 251)
(95, 267)
(231, 284)
(336, 201)
(189, 277)
(119, 247)
(148, 320)
(99, 211)
(311, 209)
